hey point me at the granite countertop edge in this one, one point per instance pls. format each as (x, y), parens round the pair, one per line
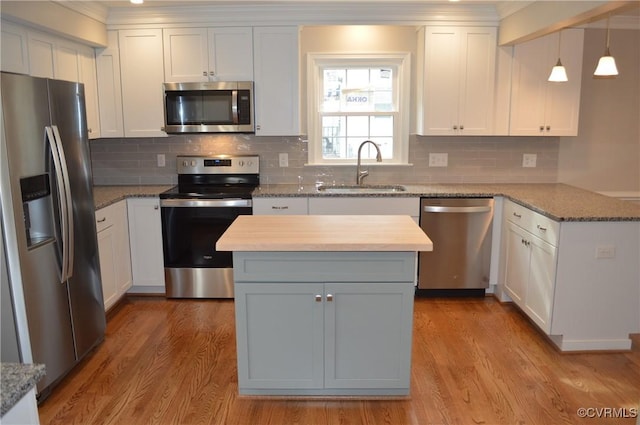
(17, 380)
(558, 201)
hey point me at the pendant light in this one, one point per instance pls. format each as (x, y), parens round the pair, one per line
(607, 64)
(558, 73)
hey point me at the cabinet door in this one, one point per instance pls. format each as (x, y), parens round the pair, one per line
(14, 48)
(541, 282)
(275, 61)
(145, 234)
(67, 61)
(516, 264)
(124, 279)
(368, 335)
(280, 344)
(110, 88)
(231, 54)
(185, 54)
(477, 81)
(107, 250)
(562, 102)
(41, 55)
(441, 91)
(142, 74)
(89, 79)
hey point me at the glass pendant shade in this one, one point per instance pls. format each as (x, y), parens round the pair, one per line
(558, 73)
(606, 66)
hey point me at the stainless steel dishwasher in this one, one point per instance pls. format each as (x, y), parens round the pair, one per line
(460, 229)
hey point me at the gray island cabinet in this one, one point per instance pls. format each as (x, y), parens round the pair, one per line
(324, 304)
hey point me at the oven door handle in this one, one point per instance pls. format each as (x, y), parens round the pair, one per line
(205, 203)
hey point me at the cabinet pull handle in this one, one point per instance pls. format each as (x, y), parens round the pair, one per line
(275, 207)
(102, 220)
(542, 128)
(542, 229)
(212, 73)
(461, 127)
(515, 214)
(455, 127)
(548, 128)
(318, 298)
(329, 297)
(155, 207)
(204, 73)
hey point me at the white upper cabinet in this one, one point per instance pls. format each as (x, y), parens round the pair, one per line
(276, 76)
(456, 68)
(110, 88)
(142, 75)
(50, 56)
(14, 48)
(208, 54)
(540, 107)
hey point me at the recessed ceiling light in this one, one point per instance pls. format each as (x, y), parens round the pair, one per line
(137, 1)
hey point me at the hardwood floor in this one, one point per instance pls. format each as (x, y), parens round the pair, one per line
(475, 361)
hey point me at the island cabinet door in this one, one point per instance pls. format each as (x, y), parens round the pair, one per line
(279, 335)
(368, 335)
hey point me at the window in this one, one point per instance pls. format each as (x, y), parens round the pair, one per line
(353, 98)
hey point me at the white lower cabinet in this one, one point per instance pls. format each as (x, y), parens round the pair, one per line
(365, 206)
(145, 234)
(530, 274)
(577, 281)
(113, 246)
(281, 206)
(308, 337)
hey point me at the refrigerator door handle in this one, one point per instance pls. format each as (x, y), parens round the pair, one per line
(69, 207)
(63, 194)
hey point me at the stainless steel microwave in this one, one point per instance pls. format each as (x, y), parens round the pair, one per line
(213, 107)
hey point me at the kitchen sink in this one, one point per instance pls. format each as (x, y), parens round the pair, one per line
(367, 188)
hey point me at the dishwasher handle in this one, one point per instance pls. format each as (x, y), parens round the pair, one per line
(441, 209)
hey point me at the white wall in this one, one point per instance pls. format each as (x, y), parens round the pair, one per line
(605, 156)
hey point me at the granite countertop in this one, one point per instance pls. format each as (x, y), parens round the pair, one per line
(17, 380)
(557, 201)
(324, 233)
(104, 196)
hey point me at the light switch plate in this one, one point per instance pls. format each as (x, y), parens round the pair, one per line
(529, 160)
(438, 159)
(162, 161)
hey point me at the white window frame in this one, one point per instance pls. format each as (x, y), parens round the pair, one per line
(317, 61)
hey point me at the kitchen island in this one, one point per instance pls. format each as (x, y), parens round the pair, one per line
(324, 304)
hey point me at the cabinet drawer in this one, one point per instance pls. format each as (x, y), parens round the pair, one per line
(280, 206)
(105, 218)
(535, 223)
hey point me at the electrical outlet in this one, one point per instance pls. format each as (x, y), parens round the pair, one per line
(529, 160)
(605, 251)
(162, 161)
(438, 159)
(283, 159)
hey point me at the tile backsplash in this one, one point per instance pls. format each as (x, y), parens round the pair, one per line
(470, 160)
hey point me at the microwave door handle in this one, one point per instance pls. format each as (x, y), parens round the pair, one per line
(234, 106)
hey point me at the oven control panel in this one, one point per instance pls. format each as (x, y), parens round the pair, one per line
(222, 164)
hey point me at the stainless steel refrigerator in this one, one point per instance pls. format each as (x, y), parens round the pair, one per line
(48, 220)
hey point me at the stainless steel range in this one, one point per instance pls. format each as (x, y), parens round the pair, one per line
(211, 192)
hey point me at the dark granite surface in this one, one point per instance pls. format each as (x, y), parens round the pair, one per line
(558, 201)
(16, 381)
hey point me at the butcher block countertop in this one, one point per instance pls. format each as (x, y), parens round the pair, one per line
(324, 233)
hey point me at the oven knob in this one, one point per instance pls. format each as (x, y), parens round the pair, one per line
(241, 163)
(185, 163)
(193, 163)
(249, 163)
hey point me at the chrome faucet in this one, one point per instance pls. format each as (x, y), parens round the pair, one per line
(360, 175)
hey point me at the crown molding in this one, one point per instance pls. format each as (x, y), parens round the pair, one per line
(92, 9)
(304, 13)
